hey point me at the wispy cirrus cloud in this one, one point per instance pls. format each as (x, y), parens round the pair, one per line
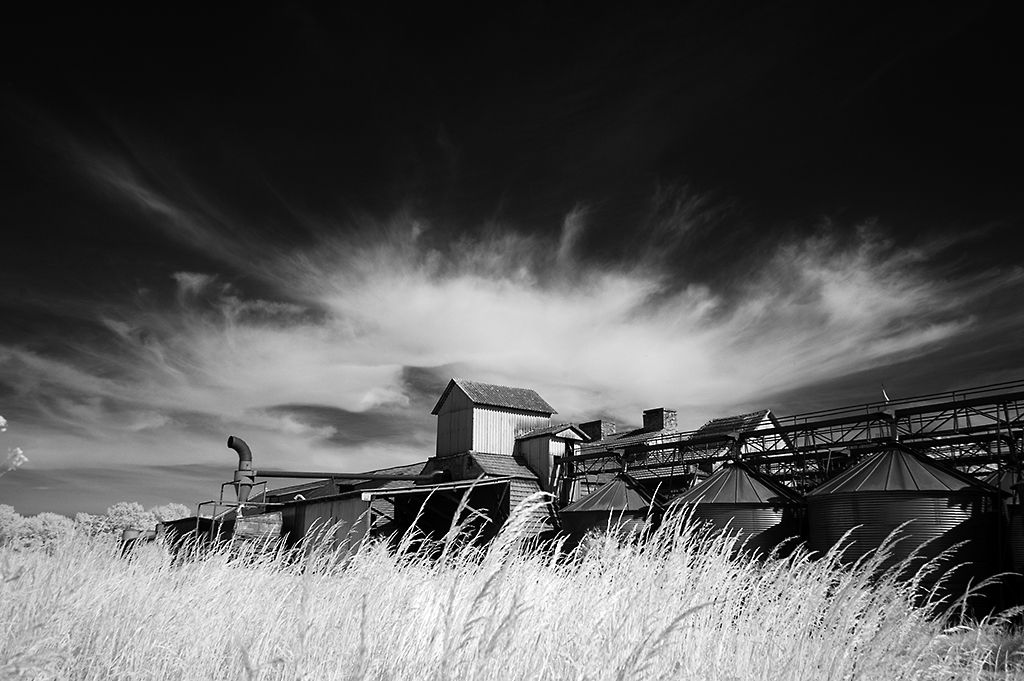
(332, 364)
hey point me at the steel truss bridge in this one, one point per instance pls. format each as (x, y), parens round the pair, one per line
(977, 431)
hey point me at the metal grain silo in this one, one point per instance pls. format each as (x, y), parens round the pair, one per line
(737, 498)
(1009, 482)
(898, 485)
(621, 501)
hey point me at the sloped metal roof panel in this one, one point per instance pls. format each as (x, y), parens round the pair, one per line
(898, 469)
(622, 493)
(735, 483)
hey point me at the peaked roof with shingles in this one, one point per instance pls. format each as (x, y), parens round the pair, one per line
(552, 430)
(732, 424)
(490, 395)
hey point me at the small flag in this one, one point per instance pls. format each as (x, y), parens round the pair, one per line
(885, 394)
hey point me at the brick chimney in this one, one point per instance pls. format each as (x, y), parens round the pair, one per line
(661, 419)
(598, 430)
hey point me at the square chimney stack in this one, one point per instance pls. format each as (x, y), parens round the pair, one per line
(661, 419)
(598, 430)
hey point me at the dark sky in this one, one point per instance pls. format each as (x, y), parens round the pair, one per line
(294, 225)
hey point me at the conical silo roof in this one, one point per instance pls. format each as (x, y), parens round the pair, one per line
(1004, 479)
(899, 469)
(736, 483)
(621, 493)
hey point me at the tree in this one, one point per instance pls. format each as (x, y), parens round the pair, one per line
(129, 515)
(45, 529)
(10, 522)
(169, 512)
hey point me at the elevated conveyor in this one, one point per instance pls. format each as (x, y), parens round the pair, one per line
(977, 430)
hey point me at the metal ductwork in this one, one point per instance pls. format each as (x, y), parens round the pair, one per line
(245, 475)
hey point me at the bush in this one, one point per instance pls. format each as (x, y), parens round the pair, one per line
(42, 530)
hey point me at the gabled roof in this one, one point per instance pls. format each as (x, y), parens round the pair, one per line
(732, 424)
(899, 469)
(501, 465)
(736, 483)
(490, 395)
(637, 436)
(621, 493)
(553, 430)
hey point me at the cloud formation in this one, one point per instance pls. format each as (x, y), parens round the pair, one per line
(337, 361)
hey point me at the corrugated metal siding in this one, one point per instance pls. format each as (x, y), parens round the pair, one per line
(346, 514)
(494, 429)
(578, 524)
(539, 454)
(1014, 552)
(534, 452)
(945, 518)
(455, 425)
(762, 527)
(1016, 539)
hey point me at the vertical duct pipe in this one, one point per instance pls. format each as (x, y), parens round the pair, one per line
(244, 478)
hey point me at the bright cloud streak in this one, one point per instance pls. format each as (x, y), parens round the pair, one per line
(326, 363)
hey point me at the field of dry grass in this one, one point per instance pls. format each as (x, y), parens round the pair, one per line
(675, 607)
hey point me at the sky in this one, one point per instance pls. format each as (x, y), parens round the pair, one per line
(295, 224)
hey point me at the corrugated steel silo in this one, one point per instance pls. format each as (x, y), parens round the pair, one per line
(898, 485)
(621, 501)
(737, 498)
(1009, 482)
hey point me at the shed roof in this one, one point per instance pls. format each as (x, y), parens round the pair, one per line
(426, 490)
(899, 469)
(490, 395)
(501, 465)
(737, 483)
(732, 424)
(314, 489)
(621, 493)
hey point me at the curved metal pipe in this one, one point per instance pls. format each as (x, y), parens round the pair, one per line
(244, 453)
(244, 475)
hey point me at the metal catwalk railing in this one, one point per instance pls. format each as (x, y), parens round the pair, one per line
(974, 430)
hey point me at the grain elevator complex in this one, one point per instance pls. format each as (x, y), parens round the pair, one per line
(944, 466)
